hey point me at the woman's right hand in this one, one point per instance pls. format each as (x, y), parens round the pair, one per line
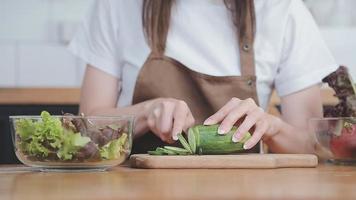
(167, 117)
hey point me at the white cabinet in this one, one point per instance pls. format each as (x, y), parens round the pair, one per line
(46, 66)
(342, 43)
(23, 20)
(7, 65)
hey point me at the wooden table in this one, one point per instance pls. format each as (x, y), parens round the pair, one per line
(38, 96)
(323, 182)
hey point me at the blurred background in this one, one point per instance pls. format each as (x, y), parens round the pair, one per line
(33, 38)
(38, 73)
(34, 35)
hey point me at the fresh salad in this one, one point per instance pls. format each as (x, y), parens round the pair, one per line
(345, 90)
(343, 141)
(69, 139)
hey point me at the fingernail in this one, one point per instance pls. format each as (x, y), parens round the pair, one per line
(175, 137)
(234, 139)
(237, 137)
(207, 122)
(221, 131)
(247, 146)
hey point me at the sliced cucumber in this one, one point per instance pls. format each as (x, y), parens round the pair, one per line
(155, 153)
(159, 152)
(177, 150)
(184, 143)
(192, 141)
(197, 137)
(206, 140)
(166, 151)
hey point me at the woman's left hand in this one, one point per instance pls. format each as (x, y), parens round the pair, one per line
(255, 117)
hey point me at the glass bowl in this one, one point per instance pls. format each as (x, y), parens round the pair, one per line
(336, 139)
(71, 142)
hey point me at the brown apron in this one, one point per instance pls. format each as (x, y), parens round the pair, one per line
(165, 77)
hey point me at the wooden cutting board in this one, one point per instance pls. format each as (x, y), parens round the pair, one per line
(257, 161)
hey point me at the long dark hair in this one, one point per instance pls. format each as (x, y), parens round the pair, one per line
(156, 19)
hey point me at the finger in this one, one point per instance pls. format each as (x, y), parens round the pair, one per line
(247, 124)
(220, 114)
(165, 134)
(230, 120)
(156, 113)
(190, 121)
(261, 129)
(167, 139)
(179, 117)
(151, 121)
(165, 120)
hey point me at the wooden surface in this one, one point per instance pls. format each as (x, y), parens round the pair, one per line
(39, 96)
(256, 161)
(323, 182)
(72, 96)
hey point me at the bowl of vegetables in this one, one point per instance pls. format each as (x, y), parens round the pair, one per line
(336, 132)
(71, 142)
(336, 139)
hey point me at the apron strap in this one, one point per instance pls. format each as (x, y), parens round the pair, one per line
(247, 58)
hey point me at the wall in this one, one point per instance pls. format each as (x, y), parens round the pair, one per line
(33, 38)
(34, 33)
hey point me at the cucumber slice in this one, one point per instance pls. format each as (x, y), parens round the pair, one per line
(184, 143)
(166, 151)
(155, 153)
(159, 152)
(197, 137)
(177, 150)
(192, 141)
(200, 151)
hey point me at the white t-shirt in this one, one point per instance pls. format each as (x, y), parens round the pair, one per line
(290, 53)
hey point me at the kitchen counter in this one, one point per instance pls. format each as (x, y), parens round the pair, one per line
(66, 96)
(323, 182)
(39, 96)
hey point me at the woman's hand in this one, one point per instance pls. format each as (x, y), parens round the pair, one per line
(255, 117)
(167, 117)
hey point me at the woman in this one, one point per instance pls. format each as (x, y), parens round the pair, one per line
(176, 63)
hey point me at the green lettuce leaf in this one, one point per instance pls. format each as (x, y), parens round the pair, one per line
(113, 149)
(50, 130)
(71, 144)
(48, 135)
(25, 128)
(35, 148)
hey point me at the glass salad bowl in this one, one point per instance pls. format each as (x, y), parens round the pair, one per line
(336, 139)
(71, 142)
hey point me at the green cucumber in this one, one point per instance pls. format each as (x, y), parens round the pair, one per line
(166, 151)
(205, 140)
(197, 140)
(192, 140)
(184, 143)
(155, 153)
(169, 150)
(210, 142)
(158, 151)
(177, 150)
